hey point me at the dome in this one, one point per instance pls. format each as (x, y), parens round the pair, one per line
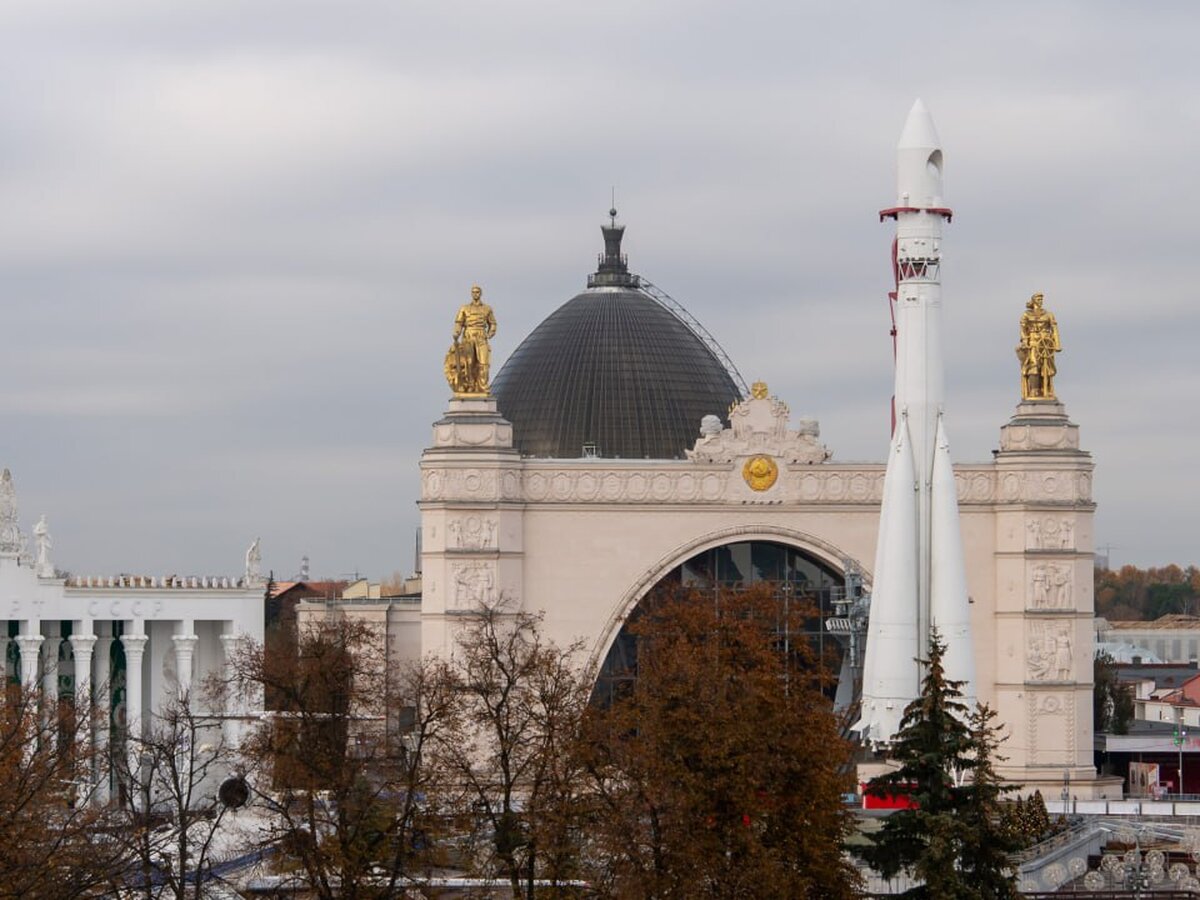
(613, 370)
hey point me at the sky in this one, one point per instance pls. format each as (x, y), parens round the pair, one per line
(233, 236)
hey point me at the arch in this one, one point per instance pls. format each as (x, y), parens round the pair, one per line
(821, 549)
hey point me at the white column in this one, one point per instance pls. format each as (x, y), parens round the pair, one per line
(50, 651)
(30, 645)
(83, 646)
(185, 652)
(135, 649)
(230, 724)
(103, 683)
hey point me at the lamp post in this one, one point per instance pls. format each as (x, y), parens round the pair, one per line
(1180, 736)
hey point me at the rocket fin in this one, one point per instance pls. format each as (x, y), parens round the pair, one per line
(950, 611)
(890, 676)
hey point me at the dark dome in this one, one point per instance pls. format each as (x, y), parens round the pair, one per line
(614, 368)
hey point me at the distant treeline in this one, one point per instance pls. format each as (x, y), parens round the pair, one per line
(1130, 593)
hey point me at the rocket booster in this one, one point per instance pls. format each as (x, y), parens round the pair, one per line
(920, 577)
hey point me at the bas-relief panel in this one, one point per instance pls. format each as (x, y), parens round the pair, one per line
(472, 532)
(1050, 586)
(472, 584)
(1052, 713)
(1049, 655)
(1050, 533)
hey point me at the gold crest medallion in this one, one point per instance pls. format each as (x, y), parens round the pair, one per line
(760, 472)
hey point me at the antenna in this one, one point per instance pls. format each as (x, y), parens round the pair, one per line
(612, 210)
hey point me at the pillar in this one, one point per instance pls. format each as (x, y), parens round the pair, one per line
(83, 646)
(234, 707)
(30, 645)
(102, 657)
(185, 652)
(135, 649)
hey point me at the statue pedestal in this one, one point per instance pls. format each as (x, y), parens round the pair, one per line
(473, 422)
(1039, 425)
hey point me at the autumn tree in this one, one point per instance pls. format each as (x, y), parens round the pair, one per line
(1131, 593)
(51, 823)
(951, 838)
(520, 701)
(719, 772)
(344, 760)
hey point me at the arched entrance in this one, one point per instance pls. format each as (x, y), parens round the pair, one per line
(797, 577)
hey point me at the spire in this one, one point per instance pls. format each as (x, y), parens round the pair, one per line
(614, 266)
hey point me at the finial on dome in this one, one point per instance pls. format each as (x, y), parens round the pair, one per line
(613, 270)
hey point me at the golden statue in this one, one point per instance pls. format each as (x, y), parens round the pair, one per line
(1039, 343)
(468, 362)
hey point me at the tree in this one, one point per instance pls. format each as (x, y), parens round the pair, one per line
(53, 833)
(989, 840)
(172, 772)
(951, 838)
(520, 703)
(720, 772)
(345, 762)
(1112, 701)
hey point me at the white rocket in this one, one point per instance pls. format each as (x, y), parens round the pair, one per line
(920, 578)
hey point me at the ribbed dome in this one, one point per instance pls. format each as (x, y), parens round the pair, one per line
(613, 368)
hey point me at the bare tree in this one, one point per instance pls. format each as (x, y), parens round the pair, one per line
(346, 777)
(171, 774)
(521, 701)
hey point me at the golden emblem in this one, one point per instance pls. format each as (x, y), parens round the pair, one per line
(469, 359)
(760, 472)
(758, 390)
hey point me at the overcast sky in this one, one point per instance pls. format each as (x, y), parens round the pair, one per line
(233, 234)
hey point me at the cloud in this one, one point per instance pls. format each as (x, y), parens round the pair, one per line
(232, 237)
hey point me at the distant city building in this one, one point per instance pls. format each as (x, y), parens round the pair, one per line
(1172, 638)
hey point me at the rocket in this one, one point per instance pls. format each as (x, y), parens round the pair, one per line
(920, 578)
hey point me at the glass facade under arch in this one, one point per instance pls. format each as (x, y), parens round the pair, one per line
(797, 576)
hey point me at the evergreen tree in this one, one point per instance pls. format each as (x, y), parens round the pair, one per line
(952, 838)
(989, 841)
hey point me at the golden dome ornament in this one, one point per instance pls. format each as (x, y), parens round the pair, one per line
(760, 472)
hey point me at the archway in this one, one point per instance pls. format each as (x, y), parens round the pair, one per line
(797, 576)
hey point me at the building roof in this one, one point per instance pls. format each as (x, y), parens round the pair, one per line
(613, 369)
(1171, 622)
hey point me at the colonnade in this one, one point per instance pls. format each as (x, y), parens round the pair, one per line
(38, 643)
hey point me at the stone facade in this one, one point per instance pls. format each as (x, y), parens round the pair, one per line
(584, 539)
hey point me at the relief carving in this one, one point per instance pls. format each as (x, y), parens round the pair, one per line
(1050, 533)
(1048, 652)
(473, 532)
(474, 584)
(759, 426)
(1050, 586)
(666, 483)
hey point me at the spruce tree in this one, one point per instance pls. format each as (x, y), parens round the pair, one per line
(951, 839)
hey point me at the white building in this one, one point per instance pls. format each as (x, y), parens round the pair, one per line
(136, 641)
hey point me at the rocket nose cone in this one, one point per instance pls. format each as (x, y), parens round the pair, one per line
(918, 130)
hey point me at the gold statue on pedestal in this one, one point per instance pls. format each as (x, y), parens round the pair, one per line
(469, 360)
(1039, 343)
